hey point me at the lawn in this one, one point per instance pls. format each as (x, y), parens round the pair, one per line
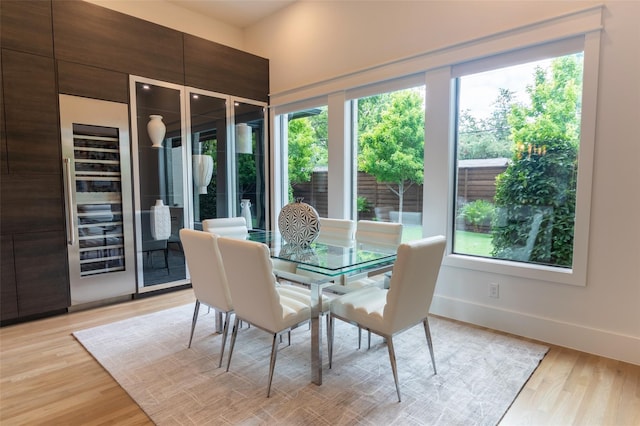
(466, 242)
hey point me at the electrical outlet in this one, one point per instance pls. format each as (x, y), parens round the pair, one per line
(494, 290)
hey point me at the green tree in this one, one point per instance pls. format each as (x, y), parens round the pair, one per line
(486, 138)
(393, 150)
(301, 159)
(541, 177)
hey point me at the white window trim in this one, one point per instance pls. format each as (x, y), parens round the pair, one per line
(577, 275)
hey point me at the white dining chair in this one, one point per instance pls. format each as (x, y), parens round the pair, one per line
(336, 231)
(406, 304)
(377, 236)
(208, 277)
(235, 227)
(255, 295)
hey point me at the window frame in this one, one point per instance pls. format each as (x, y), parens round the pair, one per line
(576, 275)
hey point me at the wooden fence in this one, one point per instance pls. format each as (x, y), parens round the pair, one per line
(476, 180)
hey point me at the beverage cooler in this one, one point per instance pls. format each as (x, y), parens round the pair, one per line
(97, 180)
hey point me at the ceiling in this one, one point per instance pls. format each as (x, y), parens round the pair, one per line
(239, 13)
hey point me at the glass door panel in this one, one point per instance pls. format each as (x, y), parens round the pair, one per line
(250, 164)
(208, 156)
(159, 167)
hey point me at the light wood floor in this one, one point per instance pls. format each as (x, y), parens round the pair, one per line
(46, 377)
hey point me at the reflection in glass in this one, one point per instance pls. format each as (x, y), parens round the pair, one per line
(250, 164)
(208, 153)
(308, 157)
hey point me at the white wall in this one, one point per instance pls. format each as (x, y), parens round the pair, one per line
(311, 42)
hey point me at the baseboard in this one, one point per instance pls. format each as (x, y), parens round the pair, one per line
(591, 340)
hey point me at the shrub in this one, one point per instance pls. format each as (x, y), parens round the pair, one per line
(477, 213)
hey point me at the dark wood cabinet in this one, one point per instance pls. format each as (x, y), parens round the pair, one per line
(8, 290)
(92, 35)
(31, 113)
(92, 82)
(78, 48)
(31, 203)
(41, 272)
(222, 69)
(25, 26)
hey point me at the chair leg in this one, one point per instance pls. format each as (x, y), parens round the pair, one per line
(427, 332)
(394, 368)
(359, 336)
(272, 363)
(166, 260)
(225, 330)
(193, 321)
(330, 325)
(368, 339)
(234, 333)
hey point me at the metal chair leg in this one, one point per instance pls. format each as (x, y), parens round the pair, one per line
(225, 330)
(394, 368)
(234, 333)
(193, 321)
(359, 336)
(427, 332)
(368, 339)
(330, 325)
(272, 363)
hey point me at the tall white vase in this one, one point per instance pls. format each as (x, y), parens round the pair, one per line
(156, 130)
(246, 212)
(202, 171)
(160, 221)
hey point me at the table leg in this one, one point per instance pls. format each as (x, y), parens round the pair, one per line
(316, 334)
(218, 321)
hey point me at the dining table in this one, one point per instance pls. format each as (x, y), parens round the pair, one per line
(328, 263)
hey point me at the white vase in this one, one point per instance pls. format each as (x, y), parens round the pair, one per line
(160, 221)
(202, 172)
(246, 212)
(243, 139)
(156, 130)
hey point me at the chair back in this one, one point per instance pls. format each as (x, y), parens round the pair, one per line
(207, 272)
(413, 282)
(386, 235)
(252, 282)
(336, 231)
(234, 227)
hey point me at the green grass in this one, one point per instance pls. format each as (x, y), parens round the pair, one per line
(466, 242)
(473, 243)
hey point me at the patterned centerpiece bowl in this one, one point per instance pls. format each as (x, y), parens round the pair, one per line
(299, 223)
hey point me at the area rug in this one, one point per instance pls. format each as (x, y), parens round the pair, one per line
(480, 373)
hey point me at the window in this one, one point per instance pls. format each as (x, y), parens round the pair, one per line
(389, 141)
(463, 138)
(308, 157)
(518, 138)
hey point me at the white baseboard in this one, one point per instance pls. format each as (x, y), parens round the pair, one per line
(591, 340)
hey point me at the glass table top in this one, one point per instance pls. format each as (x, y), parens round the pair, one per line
(331, 258)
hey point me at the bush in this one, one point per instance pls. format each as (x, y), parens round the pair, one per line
(477, 213)
(540, 179)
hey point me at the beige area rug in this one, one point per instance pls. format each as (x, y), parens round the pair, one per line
(479, 374)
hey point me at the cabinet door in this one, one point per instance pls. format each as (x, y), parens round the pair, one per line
(41, 272)
(26, 26)
(8, 294)
(31, 114)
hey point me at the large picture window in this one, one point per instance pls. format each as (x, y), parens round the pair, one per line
(517, 145)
